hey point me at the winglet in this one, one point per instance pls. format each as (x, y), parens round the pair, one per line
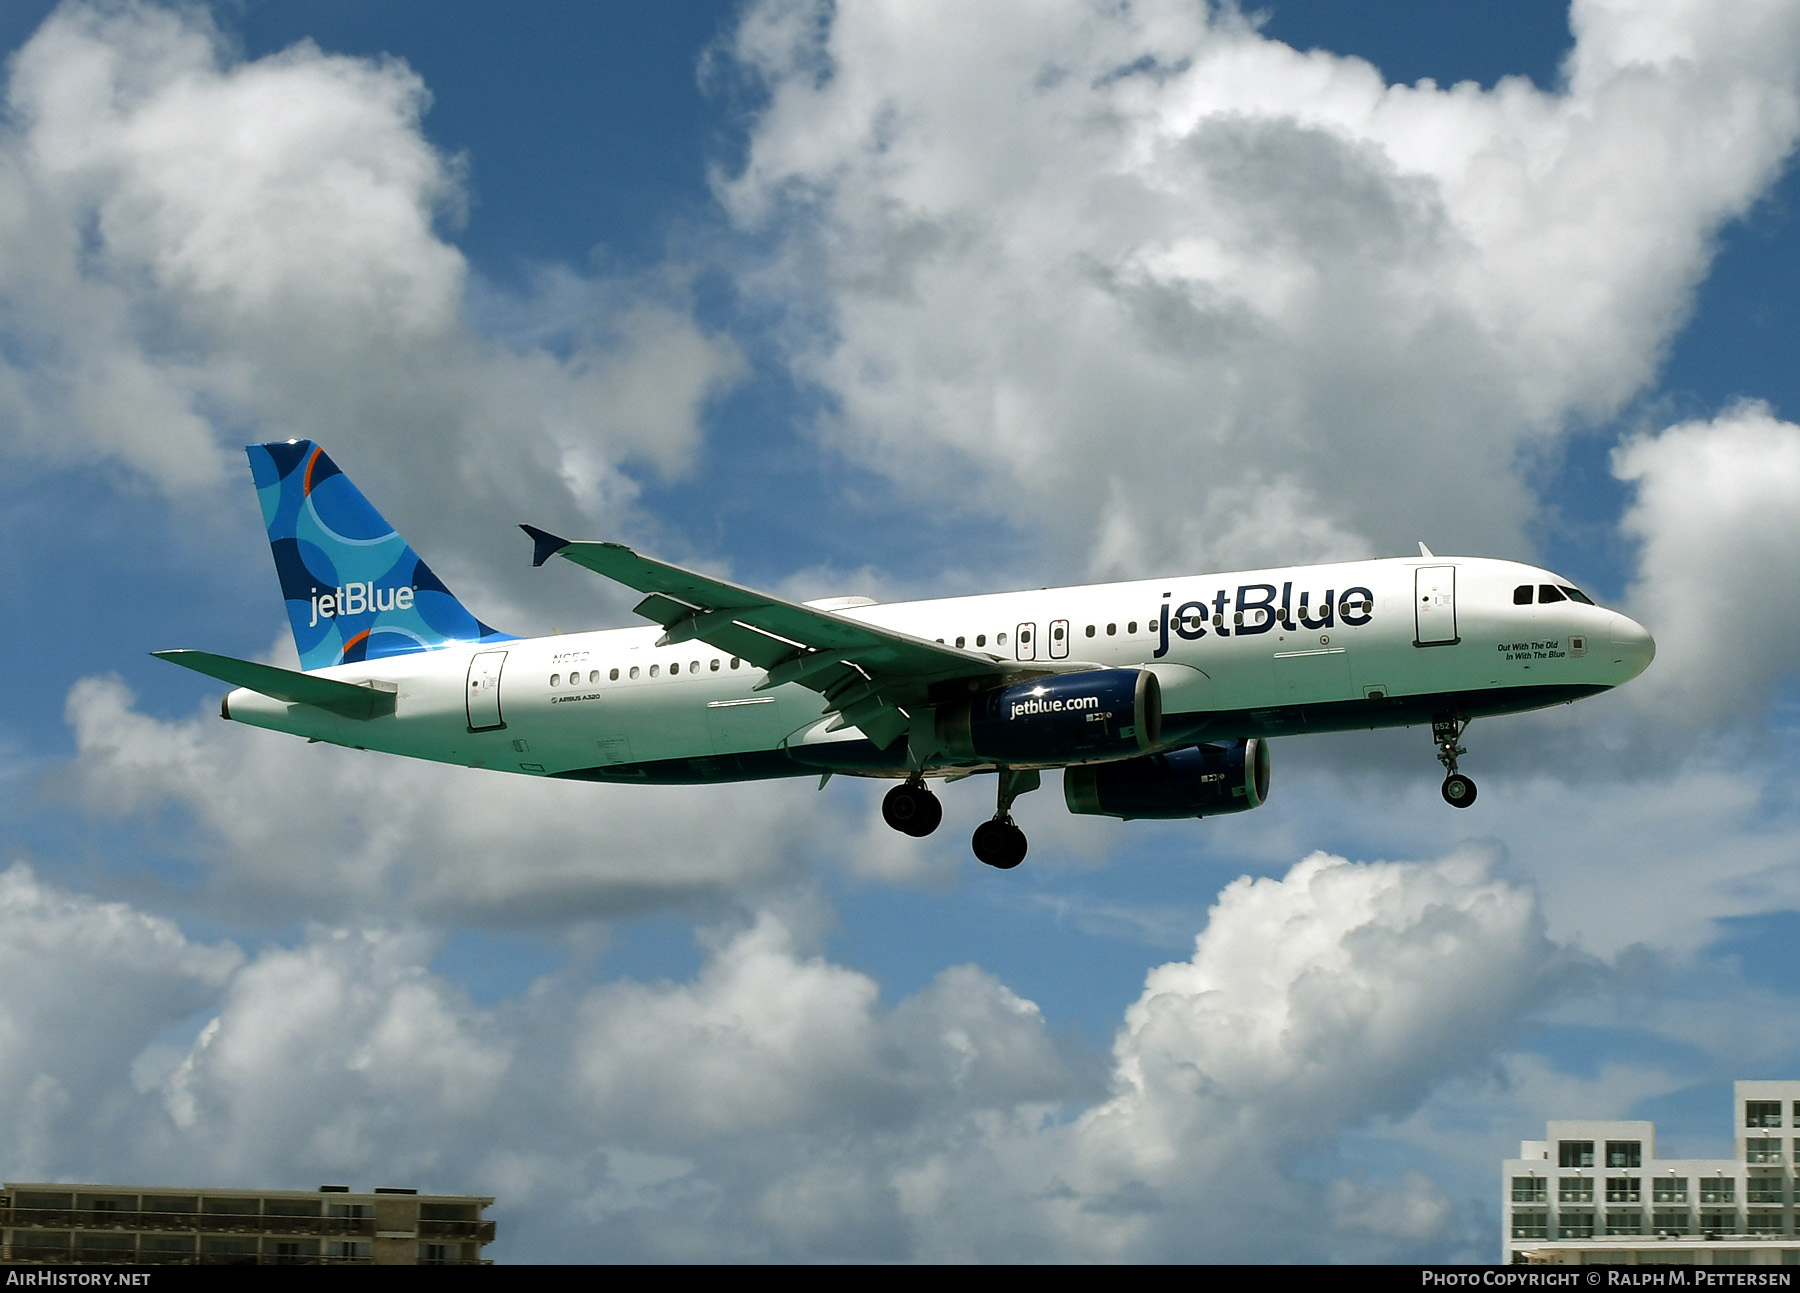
(547, 545)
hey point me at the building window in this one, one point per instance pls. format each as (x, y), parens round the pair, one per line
(1671, 1222)
(1764, 1223)
(1670, 1189)
(1762, 1149)
(1624, 1153)
(1717, 1189)
(1623, 1189)
(1718, 1223)
(1530, 1189)
(1762, 1113)
(1624, 1221)
(1531, 1225)
(1574, 1153)
(1765, 1189)
(1574, 1225)
(1575, 1189)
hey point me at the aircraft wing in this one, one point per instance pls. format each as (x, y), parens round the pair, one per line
(869, 676)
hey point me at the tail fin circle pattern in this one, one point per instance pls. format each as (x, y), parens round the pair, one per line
(355, 589)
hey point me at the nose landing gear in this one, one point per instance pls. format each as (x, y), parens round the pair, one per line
(1458, 790)
(911, 809)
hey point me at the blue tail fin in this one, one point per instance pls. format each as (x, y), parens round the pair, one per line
(355, 590)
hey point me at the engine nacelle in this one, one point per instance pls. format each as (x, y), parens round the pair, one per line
(1199, 781)
(1065, 718)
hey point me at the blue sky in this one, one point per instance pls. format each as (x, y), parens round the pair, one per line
(850, 300)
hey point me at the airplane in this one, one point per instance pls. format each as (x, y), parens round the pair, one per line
(1157, 698)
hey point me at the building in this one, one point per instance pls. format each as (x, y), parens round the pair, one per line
(1596, 1192)
(332, 1226)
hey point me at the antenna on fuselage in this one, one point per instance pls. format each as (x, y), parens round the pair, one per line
(1425, 551)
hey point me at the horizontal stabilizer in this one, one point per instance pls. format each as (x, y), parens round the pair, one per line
(351, 699)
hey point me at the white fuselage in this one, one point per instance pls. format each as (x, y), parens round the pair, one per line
(1252, 653)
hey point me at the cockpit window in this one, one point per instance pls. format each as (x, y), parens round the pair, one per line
(1522, 595)
(1576, 595)
(1549, 593)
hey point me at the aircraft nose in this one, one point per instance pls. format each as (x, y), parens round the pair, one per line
(1633, 647)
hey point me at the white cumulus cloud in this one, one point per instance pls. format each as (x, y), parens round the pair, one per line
(1143, 278)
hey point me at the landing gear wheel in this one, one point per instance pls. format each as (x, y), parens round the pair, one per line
(912, 810)
(1446, 733)
(999, 843)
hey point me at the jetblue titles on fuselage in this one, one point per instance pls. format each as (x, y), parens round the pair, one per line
(1254, 610)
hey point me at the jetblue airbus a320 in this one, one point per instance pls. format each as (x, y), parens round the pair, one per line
(1157, 698)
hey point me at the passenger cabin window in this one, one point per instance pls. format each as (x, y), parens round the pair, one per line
(653, 669)
(1000, 640)
(674, 668)
(1522, 595)
(734, 662)
(613, 676)
(634, 671)
(1131, 627)
(1090, 631)
(555, 678)
(959, 640)
(981, 639)
(715, 664)
(1112, 630)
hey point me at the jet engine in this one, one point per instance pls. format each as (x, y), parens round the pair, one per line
(1199, 781)
(1065, 718)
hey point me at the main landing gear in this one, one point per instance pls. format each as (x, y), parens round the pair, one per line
(997, 841)
(913, 810)
(1459, 791)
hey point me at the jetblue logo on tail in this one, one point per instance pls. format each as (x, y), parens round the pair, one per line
(359, 599)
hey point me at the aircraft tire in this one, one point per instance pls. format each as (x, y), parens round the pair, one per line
(999, 844)
(1459, 791)
(912, 810)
